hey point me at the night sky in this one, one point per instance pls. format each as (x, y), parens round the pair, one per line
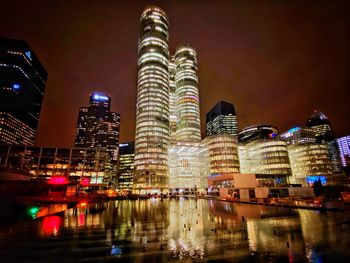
(276, 61)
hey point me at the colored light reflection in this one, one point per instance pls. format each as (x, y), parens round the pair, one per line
(58, 180)
(33, 211)
(16, 86)
(85, 181)
(294, 129)
(83, 203)
(313, 179)
(51, 225)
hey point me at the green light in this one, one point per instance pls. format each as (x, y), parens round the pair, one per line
(33, 211)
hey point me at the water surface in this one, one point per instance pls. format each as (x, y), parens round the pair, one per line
(184, 230)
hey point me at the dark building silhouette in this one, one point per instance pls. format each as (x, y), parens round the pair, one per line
(97, 126)
(22, 86)
(222, 119)
(258, 132)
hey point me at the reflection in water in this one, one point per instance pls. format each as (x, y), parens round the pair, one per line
(51, 225)
(181, 230)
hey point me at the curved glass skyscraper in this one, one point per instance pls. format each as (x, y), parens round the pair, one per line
(152, 108)
(187, 95)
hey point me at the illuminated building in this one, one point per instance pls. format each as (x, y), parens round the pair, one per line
(43, 162)
(126, 165)
(172, 99)
(97, 126)
(223, 154)
(266, 157)
(308, 160)
(298, 135)
(22, 87)
(320, 124)
(187, 96)
(222, 119)
(152, 107)
(344, 149)
(257, 132)
(188, 166)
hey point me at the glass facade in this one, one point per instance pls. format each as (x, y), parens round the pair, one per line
(152, 107)
(223, 154)
(321, 126)
(187, 95)
(22, 87)
(344, 149)
(41, 163)
(258, 132)
(14, 131)
(222, 119)
(308, 160)
(188, 166)
(172, 99)
(298, 135)
(126, 166)
(264, 157)
(97, 126)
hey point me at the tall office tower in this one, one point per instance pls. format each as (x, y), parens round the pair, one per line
(152, 107)
(298, 135)
(222, 119)
(258, 132)
(172, 99)
(344, 148)
(320, 124)
(187, 95)
(22, 87)
(126, 165)
(97, 126)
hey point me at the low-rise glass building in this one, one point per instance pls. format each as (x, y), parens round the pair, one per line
(188, 166)
(40, 163)
(308, 161)
(268, 157)
(223, 154)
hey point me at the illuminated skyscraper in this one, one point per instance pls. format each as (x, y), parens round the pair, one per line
(320, 124)
(222, 119)
(126, 165)
(187, 95)
(152, 107)
(172, 99)
(97, 126)
(22, 87)
(344, 148)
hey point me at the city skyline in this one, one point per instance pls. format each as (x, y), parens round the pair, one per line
(84, 58)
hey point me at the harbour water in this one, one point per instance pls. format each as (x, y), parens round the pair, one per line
(181, 230)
